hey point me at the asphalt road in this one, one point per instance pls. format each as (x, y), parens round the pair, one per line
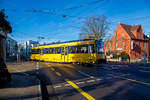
(102, 82)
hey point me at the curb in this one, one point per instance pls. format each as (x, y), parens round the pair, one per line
(39, 90)
(39, 85)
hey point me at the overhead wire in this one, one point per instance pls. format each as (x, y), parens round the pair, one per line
(57, 10)
(54, 11)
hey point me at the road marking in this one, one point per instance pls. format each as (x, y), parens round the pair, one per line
(91, 81)
(86, 95)
(17, 70)
(98, 79)
(144, 71)
(80, 82)
(58, 74)
(132, 80)
(39, 88)
(87, 75)
(67, 85)
(52, 68)
(37, 67)
(57, 86)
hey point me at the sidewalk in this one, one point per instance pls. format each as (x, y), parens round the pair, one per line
(22, 87)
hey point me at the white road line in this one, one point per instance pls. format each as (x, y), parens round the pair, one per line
(26, 74)
(80, 82)
(57, 86)
(144, 71)
(87, 75)
(98, 79)
(39, 88)
(90, 81)
(67, 85)
(37, 67)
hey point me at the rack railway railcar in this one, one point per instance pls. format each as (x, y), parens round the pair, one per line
(79, 51)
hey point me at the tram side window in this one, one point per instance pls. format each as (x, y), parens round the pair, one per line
(46, 51)
(38, 51)
(51, 50)
(78, 49)
(62, 50)
(91, 49)
(58, 50)
(84, 49)
(73, 49)
(54, 50)
(35, 51)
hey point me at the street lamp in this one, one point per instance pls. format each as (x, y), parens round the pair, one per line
(39, 38)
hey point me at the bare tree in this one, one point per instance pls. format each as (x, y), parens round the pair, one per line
(95, 27)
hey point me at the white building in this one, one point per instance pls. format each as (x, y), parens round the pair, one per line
(11, 47)
(25, 48)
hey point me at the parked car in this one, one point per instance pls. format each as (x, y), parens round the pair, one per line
(140, 60)
(5, 76)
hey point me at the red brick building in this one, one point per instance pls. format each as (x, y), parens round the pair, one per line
(129, 39)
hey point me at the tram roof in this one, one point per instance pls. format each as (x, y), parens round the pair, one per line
(67, 42)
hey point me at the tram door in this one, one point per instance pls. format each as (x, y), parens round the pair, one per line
(41, 53)
(64, 54)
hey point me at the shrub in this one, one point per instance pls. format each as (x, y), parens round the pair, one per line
(108, 53)
(124, 55)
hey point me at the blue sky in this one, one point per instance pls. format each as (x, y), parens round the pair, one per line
(29, 25)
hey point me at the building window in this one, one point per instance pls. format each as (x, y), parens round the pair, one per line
(144, 45)
(109, 46)
(123, 45)
(131, 45)
(106, 46)
(116, 45)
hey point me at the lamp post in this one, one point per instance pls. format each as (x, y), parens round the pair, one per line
(39, 38)
(144, 53)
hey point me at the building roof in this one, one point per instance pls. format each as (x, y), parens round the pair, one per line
(129, 29)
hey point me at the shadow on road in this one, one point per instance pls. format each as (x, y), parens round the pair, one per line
(22, 86)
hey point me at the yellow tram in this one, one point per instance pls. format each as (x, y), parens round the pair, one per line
(78, 51)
